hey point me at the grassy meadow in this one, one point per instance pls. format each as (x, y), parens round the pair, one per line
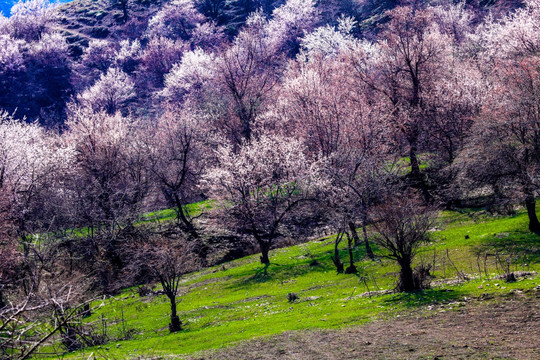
(242, 299)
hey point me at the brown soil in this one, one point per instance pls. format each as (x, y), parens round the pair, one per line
(498, 329)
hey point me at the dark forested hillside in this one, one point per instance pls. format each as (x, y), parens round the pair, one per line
(83, 15)
(43, 89)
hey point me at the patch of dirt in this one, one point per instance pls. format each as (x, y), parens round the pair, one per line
(502, 329)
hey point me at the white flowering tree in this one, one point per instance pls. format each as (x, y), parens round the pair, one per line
(111, 93)
(263, 185)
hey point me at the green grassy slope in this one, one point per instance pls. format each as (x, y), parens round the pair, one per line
(242, 300)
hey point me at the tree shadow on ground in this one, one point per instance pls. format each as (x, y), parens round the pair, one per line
(284, 272)
(314, 261)
(278, 272)
(521, 246)
(425, 297)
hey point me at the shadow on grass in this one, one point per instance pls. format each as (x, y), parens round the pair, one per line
(310, 263)
(424, 297)
(273, 272)
(261, 275)
(522, 246)
(282, 272)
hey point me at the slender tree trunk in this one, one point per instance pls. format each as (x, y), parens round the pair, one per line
(2, 302)
(534, 224)
(176, 324)
(369, 252)
(450, 150)
(124, 5)
(352, 227)
(86, 311)
(406, 277)
(351, 269)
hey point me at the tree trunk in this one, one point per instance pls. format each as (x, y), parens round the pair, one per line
(352, 227)
(351, 269)
(265, 250)
(534, 224)
(124, 4)
(188, 226)
(246, 128)
(176, 324)
(335, 258)
(185, 223)
(369, 252)
(418, 180)
(415, 166)
(406, 277)
(86, 311)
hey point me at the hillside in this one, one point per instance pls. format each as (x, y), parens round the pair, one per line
(103, 19)
(42, 91)
(270, 179)
(242, 300)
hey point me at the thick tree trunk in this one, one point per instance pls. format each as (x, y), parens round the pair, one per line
(186, 224)
(336, 259)
(534, 224)
(176, 324)
(406, 277)
(246, 130)
(369, 252)
(351, 269)
(265, 250)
